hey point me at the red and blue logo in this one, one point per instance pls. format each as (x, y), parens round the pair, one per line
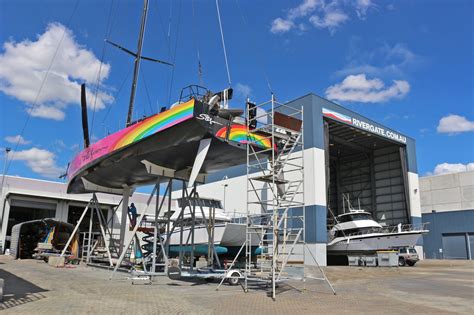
(337, 116)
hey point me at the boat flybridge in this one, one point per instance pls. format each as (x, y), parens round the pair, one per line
(357, 232)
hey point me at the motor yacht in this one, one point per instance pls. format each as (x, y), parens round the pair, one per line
(357, 232)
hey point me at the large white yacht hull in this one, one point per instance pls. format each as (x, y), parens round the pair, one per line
(373, 242)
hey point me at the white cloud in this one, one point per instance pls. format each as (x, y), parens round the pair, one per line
(455, 124)
(49, 112)
(59, 145)
(331, 19)
(243, 90)
(280, 25)
(446, 168)
(17, 139)
(357, 88)
(23, 67)
(362, 6)
(322, 14)
(40, 161)
(386, 60)
(75, 147)
(304, 9)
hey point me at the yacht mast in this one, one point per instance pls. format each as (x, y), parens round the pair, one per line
(138, 56)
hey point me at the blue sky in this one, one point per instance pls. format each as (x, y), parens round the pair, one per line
(406, 64)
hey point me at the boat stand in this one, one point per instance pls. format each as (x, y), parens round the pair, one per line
(163, 228)
(133, 236)
(93, 207)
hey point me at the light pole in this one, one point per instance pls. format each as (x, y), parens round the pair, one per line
(225, 186)
(7, 150)
(2, 202)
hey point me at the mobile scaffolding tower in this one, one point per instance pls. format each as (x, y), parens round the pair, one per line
(275, 191)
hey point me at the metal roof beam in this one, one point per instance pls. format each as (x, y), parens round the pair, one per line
(352, 145)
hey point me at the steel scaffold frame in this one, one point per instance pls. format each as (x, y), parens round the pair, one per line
(275, 185)
(160, 258)
(158, 232)
(275, 194)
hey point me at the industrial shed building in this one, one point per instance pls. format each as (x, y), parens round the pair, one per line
(345, 154)
(447, 204)
(26, 199)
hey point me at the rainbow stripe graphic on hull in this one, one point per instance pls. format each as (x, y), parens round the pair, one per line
(240, 134)
(156, 124)
(132, 134)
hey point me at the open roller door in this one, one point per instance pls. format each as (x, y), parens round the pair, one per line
(370, 170)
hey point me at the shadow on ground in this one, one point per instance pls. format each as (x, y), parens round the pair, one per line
(18, 291)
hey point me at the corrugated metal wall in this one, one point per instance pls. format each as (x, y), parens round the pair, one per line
(375, 180)
(351, 175)
(390, 199)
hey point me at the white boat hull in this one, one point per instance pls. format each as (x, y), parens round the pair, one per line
(373, 242)
(226, 235)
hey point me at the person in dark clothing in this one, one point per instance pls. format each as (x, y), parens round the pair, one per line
(133, 214)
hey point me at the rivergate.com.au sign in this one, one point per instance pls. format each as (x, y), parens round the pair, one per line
(364, 125)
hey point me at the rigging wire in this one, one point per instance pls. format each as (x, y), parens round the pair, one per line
(114, 19)
(174, 53)
(162, 28)
(169, 20)
(146, 90)
(138, 57)
(119, 90)
(196, 42)
(223, 42)
(35, 102)
(168, 39)
(108, 29)
(257, 56)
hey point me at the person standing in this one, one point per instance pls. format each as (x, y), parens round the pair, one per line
(133, 214)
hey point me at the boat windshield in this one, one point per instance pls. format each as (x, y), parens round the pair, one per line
(354, 217)
(357, 231)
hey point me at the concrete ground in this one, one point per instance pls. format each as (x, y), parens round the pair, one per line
(442, 287)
